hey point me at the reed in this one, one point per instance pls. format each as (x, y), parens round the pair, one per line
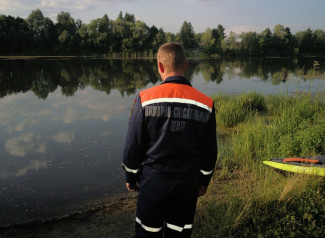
(248, 199)
(231, 111)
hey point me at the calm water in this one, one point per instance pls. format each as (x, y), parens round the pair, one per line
(63, 122)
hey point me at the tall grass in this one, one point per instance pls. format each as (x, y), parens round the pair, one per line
(248, 199)
(233, 111)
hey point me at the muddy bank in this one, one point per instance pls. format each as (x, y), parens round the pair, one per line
(114, 219)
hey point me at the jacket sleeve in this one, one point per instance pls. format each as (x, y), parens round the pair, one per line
(211, 150)
(134, 152)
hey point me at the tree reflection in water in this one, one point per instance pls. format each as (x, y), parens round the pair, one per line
(44, 76)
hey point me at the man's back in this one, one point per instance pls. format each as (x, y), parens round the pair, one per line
(176, 118)
(170, 149)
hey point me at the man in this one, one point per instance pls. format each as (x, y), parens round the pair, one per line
(170, 149)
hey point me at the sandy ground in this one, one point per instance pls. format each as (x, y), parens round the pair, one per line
(115, 219)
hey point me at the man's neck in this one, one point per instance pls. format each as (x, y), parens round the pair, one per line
(167, 75)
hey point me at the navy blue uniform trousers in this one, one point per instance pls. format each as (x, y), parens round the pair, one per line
(166, 205)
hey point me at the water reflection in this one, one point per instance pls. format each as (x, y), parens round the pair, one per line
(33, 165)
(61, 152)
(44, 76)
(24, 144)
(63, 122)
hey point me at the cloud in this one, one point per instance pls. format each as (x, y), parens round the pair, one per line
(24, 144)
(33, 165)
(64, 137)
(51, 7)
(9, 5)
(245, 28)
(68, 5)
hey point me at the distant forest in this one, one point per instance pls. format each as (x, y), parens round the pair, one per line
(128, 37)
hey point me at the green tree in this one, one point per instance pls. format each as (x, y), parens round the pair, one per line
(212, 40)
(319, 38)
(159, 39)
(66, 30)
(231, 44)
(207, 41)
(153, 31)
(265, 42)
(305, 41)
(140, 35)
(249, 43)
(122, 33)
(289, 41)
(170, 37)
(283, 41)
(43, 32)
(15, 36)
(84, 42)
(219, 36)
(35, 22)
(186, 35)
(99, 34)
(278, 38)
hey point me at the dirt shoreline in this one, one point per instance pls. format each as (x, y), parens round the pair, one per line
(110, 220)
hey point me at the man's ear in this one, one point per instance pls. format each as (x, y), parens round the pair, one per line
(161, 67)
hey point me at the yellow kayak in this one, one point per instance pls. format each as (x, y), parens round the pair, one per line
(314, 165)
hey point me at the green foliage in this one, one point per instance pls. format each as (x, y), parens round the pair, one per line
(212, 40)
(101, 36)
(186, 35)
(38, 35)
(303, 217)
(229, 113)
(279, 43)
(254, 200)
(294, 127)
(233, 111)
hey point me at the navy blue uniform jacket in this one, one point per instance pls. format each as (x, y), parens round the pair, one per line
(172, 131)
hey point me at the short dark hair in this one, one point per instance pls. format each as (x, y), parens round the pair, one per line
(172, 56)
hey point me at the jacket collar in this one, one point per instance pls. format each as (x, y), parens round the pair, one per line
(177, 79)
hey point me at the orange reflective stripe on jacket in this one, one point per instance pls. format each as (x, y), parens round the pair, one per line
(175, 93)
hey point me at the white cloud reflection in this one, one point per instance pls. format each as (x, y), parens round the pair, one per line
(24, 144)
(64, 137)
(22, 125)
(86, 105)
(33, 165)
(27, 124)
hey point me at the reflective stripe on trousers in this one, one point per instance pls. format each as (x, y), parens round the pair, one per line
(170, 226)
(166, 206)
(178, 228)
(147, 228)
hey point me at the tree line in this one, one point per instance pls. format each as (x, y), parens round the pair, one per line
(127, 36)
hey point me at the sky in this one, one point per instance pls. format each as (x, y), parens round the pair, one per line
(234, 15)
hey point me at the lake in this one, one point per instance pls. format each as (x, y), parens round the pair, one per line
(63, 122)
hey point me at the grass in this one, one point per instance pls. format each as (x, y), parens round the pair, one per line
(249, 199)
